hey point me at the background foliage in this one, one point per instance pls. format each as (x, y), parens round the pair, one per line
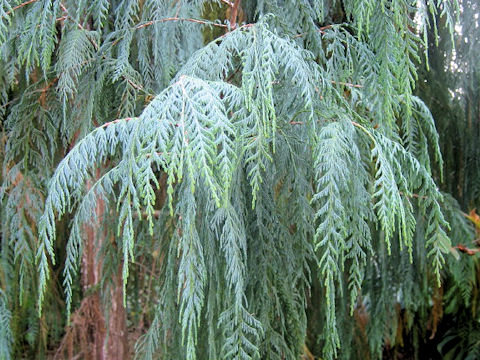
(239, 180)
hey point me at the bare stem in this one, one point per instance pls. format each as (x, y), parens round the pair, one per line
(197, 21)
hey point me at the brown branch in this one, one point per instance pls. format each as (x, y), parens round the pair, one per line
(20, 6)
(233, 74)
(417, 196)
(116, 121)
(80, 26)
(346, 84)
(234, 14)
(464, 249)
(136, 86)
(324, 27)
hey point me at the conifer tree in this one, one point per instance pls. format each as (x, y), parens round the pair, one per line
(237, 180)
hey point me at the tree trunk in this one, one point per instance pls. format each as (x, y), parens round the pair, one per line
(91, 276)
(117, 345)
(106, 343)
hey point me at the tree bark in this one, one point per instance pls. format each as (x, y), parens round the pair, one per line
(117, 345)
(109, 337)
(91, 276)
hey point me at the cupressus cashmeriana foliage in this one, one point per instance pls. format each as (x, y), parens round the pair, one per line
(288, 149)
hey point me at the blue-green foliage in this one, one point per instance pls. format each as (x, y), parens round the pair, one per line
(289, 154)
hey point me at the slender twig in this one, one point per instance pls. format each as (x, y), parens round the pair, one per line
(233, 74)
(417, 196)
(80, 26)
(136, 86)
(20, 6)
(346, 84)
(234, 14)
(197, 21)
(468, 251)
(116, 121)
(361, 127)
